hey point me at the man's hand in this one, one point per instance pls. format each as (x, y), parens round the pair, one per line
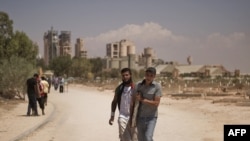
(139, 97)
(111, 120)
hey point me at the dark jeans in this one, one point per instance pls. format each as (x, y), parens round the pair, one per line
(61, 87)
(32, 105)
(41, 102)
(55, 86)
(45, 99)
(145, 128)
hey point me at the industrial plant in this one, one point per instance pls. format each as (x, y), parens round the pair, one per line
(121, 54)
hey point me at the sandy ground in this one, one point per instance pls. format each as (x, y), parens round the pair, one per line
(82, 113)
(14, 123)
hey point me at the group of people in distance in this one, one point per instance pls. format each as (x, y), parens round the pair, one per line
(37, 90)
(58, 82)
(138, 106)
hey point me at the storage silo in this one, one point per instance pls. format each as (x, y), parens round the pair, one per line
(148, 53)
(123, 48)
(189, 60)
(131, 49)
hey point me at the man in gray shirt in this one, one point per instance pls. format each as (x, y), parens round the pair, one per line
(148, 93)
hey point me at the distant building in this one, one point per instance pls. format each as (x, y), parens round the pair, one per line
(80, 51)
(122, 54)
(51, 45)
(65, 43)
(148, 58)
(119, 55)
(56, 45)
(172, 70)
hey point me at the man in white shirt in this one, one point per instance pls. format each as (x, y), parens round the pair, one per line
(122, 99)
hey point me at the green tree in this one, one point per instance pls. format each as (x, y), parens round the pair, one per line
(141, 73)
(6, 28)
(80, 67)
(105, 75)
(6, 32)
(61, 65)
(20, 45)
(17, 43)
(41, 63)
(17, 58)
(13, 75)
(97, 66)
(115, 73)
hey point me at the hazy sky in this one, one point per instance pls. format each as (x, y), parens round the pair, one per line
(211, 31)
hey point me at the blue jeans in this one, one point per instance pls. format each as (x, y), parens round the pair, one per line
(145, 128)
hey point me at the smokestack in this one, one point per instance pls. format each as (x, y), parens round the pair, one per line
(189, 60)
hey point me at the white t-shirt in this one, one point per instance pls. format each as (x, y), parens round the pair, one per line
(125, 102)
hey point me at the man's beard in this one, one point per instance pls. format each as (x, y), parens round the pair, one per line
(127, 82)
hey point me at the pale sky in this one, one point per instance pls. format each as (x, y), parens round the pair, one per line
(210, 31)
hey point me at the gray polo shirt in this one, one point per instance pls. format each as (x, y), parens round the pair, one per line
(148, 92)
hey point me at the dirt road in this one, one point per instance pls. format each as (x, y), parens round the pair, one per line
(82, 113)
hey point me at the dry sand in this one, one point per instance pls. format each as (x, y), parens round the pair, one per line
(189, 119)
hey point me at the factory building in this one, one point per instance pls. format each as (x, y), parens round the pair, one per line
(65, 43)
(51, 45)
(119, 55)
(80, 50)
(56, 45)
